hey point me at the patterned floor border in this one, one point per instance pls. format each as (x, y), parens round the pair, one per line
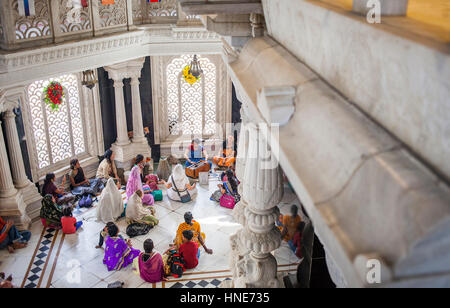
(209, 281)
(42, 257)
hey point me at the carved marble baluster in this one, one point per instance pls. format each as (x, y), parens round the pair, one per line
(253, 265)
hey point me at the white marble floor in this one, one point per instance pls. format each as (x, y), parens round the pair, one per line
(79, 264)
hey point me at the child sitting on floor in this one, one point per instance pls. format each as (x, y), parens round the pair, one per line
(68, 222)
(104, 233)
(189, 250)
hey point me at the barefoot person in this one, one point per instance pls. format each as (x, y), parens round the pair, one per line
(149, 265)
(110, 205)
(118, 252)
(137, 213)
(79, 184)
(12, 238)
(196, 153)
(107, 169)
(178, 185)
(49, 188)
(189, 250)
(227, 156)
(192, 225)
(51, 213)
(135, 182)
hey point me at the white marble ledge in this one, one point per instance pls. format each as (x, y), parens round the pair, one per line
(364, 192)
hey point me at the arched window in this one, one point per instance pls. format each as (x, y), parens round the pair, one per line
(58, 135)
(191, 109)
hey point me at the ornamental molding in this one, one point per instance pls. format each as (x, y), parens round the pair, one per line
(10, 98)
(136, 40)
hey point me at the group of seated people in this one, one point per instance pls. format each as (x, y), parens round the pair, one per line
(150, 265)
(226, 157)
(182, 254)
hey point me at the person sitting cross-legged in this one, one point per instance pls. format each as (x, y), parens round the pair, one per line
(149, 265)
(194, 226)
(118, 252)
(196, 153)
(178, 185)
(227, 156)
(12, 238)
(70, 225)
(189, 250)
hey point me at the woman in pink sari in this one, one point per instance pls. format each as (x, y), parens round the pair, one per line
(149, 265)
(135, 183)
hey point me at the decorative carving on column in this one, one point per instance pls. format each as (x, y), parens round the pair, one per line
(252, 264)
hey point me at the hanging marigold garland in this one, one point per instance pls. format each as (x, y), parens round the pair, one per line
(189, 77)
(53, 95)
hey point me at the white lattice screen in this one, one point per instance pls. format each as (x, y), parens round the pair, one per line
(191, 109)
(57, 135)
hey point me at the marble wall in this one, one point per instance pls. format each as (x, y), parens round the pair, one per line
(398, 77)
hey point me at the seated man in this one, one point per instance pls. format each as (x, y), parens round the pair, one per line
(227, 156)
(196, 153)
(198, 236)
(12, 238)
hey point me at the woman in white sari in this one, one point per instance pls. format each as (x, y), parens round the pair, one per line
(137, 213)
(110, 205)
(182, 184)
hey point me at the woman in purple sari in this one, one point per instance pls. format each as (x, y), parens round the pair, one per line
(118, 253)
(135, 183)
(149, 265)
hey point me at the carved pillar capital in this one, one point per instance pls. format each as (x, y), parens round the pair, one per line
(118, 83)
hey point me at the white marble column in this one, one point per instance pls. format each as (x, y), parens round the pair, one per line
(12, 204)
(138, 124)
(126, 150)
(121, 120)
(19, 176)
(7, 188)
(252, 264)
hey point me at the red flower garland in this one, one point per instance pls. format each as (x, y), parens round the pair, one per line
(53, 95)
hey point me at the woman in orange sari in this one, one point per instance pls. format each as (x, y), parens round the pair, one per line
(194, 226)
(290, 224)
(227, 157)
